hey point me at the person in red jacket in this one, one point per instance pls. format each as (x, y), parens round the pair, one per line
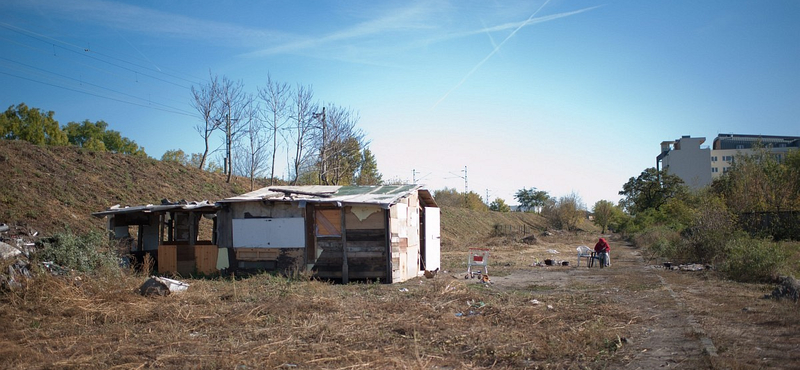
(601, 250)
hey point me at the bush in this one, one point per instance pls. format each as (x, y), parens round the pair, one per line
(710, 232)
(659, 241)
(84, 253)
(753, 260)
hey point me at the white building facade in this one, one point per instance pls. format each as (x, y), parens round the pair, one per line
(697, 165)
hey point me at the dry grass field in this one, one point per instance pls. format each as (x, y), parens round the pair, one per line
(630, 315)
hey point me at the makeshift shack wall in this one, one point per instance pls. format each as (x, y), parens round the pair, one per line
(405, 238)
(365, 237)
(270, 259)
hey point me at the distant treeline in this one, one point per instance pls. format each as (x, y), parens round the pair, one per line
(21, 122)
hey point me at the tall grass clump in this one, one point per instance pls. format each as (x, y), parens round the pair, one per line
(753, 260)
(84, 253)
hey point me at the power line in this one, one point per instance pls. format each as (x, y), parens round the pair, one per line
(98, 86)
(99, 96)
(52, 41)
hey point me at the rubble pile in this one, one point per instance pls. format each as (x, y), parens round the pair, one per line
(17, 243)
(788, 288)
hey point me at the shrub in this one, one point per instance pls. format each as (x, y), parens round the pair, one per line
(659, 241)
(710, 232)
(753, 260)
(85, 253)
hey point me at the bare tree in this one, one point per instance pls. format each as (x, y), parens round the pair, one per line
(339, 143)
(231, 108)
(276, 101)
(302, 131)
(252, 144)
(204, 100)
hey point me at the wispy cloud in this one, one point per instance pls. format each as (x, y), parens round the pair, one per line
(152, 22)
(516, 26)
(395, 20)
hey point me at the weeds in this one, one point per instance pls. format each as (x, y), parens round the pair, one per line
(84, 253)
(753, 260)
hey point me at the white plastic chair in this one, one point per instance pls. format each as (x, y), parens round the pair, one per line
(584, 252)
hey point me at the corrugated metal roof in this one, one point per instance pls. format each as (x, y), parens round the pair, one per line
(384, 195)
(151, 208)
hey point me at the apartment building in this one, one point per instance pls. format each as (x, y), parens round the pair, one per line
(698, 165)
(688, 159)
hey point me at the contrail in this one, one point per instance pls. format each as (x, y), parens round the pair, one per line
(497, 48)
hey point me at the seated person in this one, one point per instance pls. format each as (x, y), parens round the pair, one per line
(601, 250)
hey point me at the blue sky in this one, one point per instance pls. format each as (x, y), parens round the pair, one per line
(562, 95)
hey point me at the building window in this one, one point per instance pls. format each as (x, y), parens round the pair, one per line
(739, 146)
(713, 158)
(714, 169)
(725, 169)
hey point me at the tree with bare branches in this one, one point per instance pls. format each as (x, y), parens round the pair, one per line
(275, 97)
(204, 100)
(251, 146)
(339, 142)
(302, 131)
(232, 107)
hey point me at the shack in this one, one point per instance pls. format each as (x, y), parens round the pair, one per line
(168, 234)
(388, 233)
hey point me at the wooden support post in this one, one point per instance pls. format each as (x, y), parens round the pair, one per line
(387, 229)
(345, 273)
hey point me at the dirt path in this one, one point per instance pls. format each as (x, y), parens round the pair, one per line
(677, 319)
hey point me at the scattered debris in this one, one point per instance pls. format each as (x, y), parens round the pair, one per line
(403, 290)
(16, 275)
(8, 251)
(531, 239)
(430, 274)
(788, 288)
(3, 228)
(161, 286)
(55, 269)
(684, 267)
(552, 251)
(535, 302)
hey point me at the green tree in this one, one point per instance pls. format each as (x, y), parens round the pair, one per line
(499, 205)
(605, 213)
(448, 197)
(368, 172)
(566, 212)
(32, 125)
(96, 136)
(176, 155)
(650, 190)
(531, 199)
(475, 202)
(759, 182)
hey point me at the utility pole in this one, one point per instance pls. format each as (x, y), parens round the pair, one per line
(413, 176)
(322, 160)
(228, 140)
(466, 188)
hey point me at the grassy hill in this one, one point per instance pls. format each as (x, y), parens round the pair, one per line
(49, 189)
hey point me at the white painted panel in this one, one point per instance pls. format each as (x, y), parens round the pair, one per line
(269, 233)
(433, 238)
